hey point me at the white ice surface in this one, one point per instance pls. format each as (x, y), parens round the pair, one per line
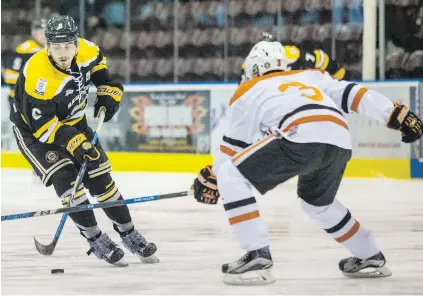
(195, 239)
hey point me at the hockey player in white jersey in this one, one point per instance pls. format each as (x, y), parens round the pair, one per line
(299, 116)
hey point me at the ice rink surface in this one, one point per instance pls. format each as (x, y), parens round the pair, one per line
(195, 239)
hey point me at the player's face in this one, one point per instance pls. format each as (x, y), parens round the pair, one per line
(63, 53)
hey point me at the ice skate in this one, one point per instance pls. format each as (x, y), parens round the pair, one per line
(137, 244)
(365, 268)
(104, 248)
(254, 268)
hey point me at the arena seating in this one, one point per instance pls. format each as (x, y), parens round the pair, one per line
(202, 35)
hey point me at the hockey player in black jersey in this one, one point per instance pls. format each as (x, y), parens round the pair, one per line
(51, 130)
(300, 59)
(14, 62)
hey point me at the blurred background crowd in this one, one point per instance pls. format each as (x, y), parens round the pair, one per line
(203, 40)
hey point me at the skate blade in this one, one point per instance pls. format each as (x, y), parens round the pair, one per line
(250, 278)
(374, 273)
(149, 260)
(120, 263)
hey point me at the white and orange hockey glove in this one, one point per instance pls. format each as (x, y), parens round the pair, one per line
(205, 186)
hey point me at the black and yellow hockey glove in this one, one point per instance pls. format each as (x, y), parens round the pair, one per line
(82, 150)
(205, 186)
(407, 122)
(108, 96)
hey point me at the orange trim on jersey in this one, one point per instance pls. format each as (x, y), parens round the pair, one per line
(357, 99)
(316, 118)
(227, 150)
(244, 217)
(246, 150)
(246, 86)
(349, 233)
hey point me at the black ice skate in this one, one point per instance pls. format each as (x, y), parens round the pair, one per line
(365, 268)
(251, 269)
(104, 248)
(137, 244)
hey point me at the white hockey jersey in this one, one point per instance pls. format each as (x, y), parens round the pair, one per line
(302, 106)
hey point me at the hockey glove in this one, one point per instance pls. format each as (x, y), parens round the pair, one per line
(82, 150)
(407, 122)
(108, 96)
(205, 186)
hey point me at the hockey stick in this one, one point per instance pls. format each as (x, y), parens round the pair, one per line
(47, 250)
(86, 207)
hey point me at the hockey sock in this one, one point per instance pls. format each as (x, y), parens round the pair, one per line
(338, 222)
(86, 222)
(249, 228)
(121, 218)
(241, 208)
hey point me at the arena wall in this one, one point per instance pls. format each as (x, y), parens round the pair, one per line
(178, 127)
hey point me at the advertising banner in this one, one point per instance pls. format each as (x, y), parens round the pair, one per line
(190, 118)
(168, 121)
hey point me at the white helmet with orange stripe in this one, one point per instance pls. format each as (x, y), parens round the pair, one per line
(265, 57)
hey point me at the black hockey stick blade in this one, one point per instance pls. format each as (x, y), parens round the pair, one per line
(45, 250)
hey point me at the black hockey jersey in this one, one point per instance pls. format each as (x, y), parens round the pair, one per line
(300, 59)
(15, 62)
(49, 104)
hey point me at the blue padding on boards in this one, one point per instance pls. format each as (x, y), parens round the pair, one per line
(416, 167)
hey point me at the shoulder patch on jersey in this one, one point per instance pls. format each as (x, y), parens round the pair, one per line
(42, 80)
(40, 87)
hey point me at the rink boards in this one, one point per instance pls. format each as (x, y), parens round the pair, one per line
(178, 127)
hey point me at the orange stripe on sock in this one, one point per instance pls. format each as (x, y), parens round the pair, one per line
(349, 233)
(244, 217)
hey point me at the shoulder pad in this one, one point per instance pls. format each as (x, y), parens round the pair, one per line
(29, 46)
(42, 80)
(88, 52)
(292, 53)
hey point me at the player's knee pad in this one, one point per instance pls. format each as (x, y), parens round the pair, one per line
(231, 183)
(326, 216)
(62, 181)
(103, 188)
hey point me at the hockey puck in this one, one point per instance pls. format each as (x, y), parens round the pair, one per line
(57, 271)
